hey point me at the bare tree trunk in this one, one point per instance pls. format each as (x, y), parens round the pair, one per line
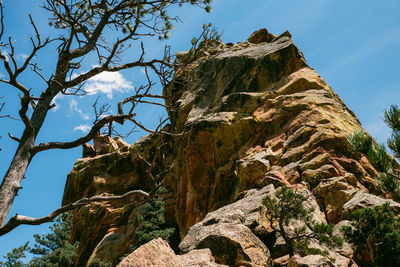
(15, 173)
(22, 158)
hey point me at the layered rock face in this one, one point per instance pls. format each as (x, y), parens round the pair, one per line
(251, 116)
(257, 114)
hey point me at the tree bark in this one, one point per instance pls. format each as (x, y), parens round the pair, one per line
(23, 156)
(14, 175)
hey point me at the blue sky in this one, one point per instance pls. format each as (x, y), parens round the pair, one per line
(353, 45)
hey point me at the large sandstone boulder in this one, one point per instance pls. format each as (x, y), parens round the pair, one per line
(261, 36)
(231, 232)
(231, 244)
(310, 261)
(156, 253)
(199, 258)
(234, 232)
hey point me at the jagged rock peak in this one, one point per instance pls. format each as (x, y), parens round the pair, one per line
(263, 36)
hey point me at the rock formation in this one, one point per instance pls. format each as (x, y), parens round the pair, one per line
(252, 117)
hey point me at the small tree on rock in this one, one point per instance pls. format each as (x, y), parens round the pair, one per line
(289, 206)
(378, 230)
(392, 119)
(388, 179)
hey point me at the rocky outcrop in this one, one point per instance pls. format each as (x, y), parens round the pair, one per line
(106, 230)
(249, 118)
(256, 114)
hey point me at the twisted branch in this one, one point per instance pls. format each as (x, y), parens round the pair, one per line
(18, 220)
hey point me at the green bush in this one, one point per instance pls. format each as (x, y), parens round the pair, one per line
(360, 141)
(289, 205)
(379, 158)
(363, 143)
(14, 257)
(378, 231)
(376, 153)
(388, 182)
(392, 119)
(209, 38)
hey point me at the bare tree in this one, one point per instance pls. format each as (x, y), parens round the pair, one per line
(82, 26)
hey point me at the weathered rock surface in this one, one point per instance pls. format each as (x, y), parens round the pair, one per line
(254, 116)
(100, 226)
(362, 200)
(198, 258)
(156, 253)
(256, 108)
(233, 232)
(334, 192)
(310, 261)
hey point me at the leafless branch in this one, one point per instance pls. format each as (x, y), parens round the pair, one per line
(97, 70)
(25, 100)
(96, 128)
(101, 111)
(14, 138)
(2, 104)
(83, 31)
(136, 98)
(18, 220)
(1, 20)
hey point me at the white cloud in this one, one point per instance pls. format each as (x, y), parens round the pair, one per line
(84, 128)
(22, 57)
(74, 107)
(107, 83)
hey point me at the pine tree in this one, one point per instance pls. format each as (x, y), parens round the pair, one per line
(152, 223)
(378, 230)
(290, 205)
(51, 250)
(54, 249)
(392, 119)
(362, 143)
(14, 258)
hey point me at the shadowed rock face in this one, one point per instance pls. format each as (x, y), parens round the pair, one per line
(254, 116)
